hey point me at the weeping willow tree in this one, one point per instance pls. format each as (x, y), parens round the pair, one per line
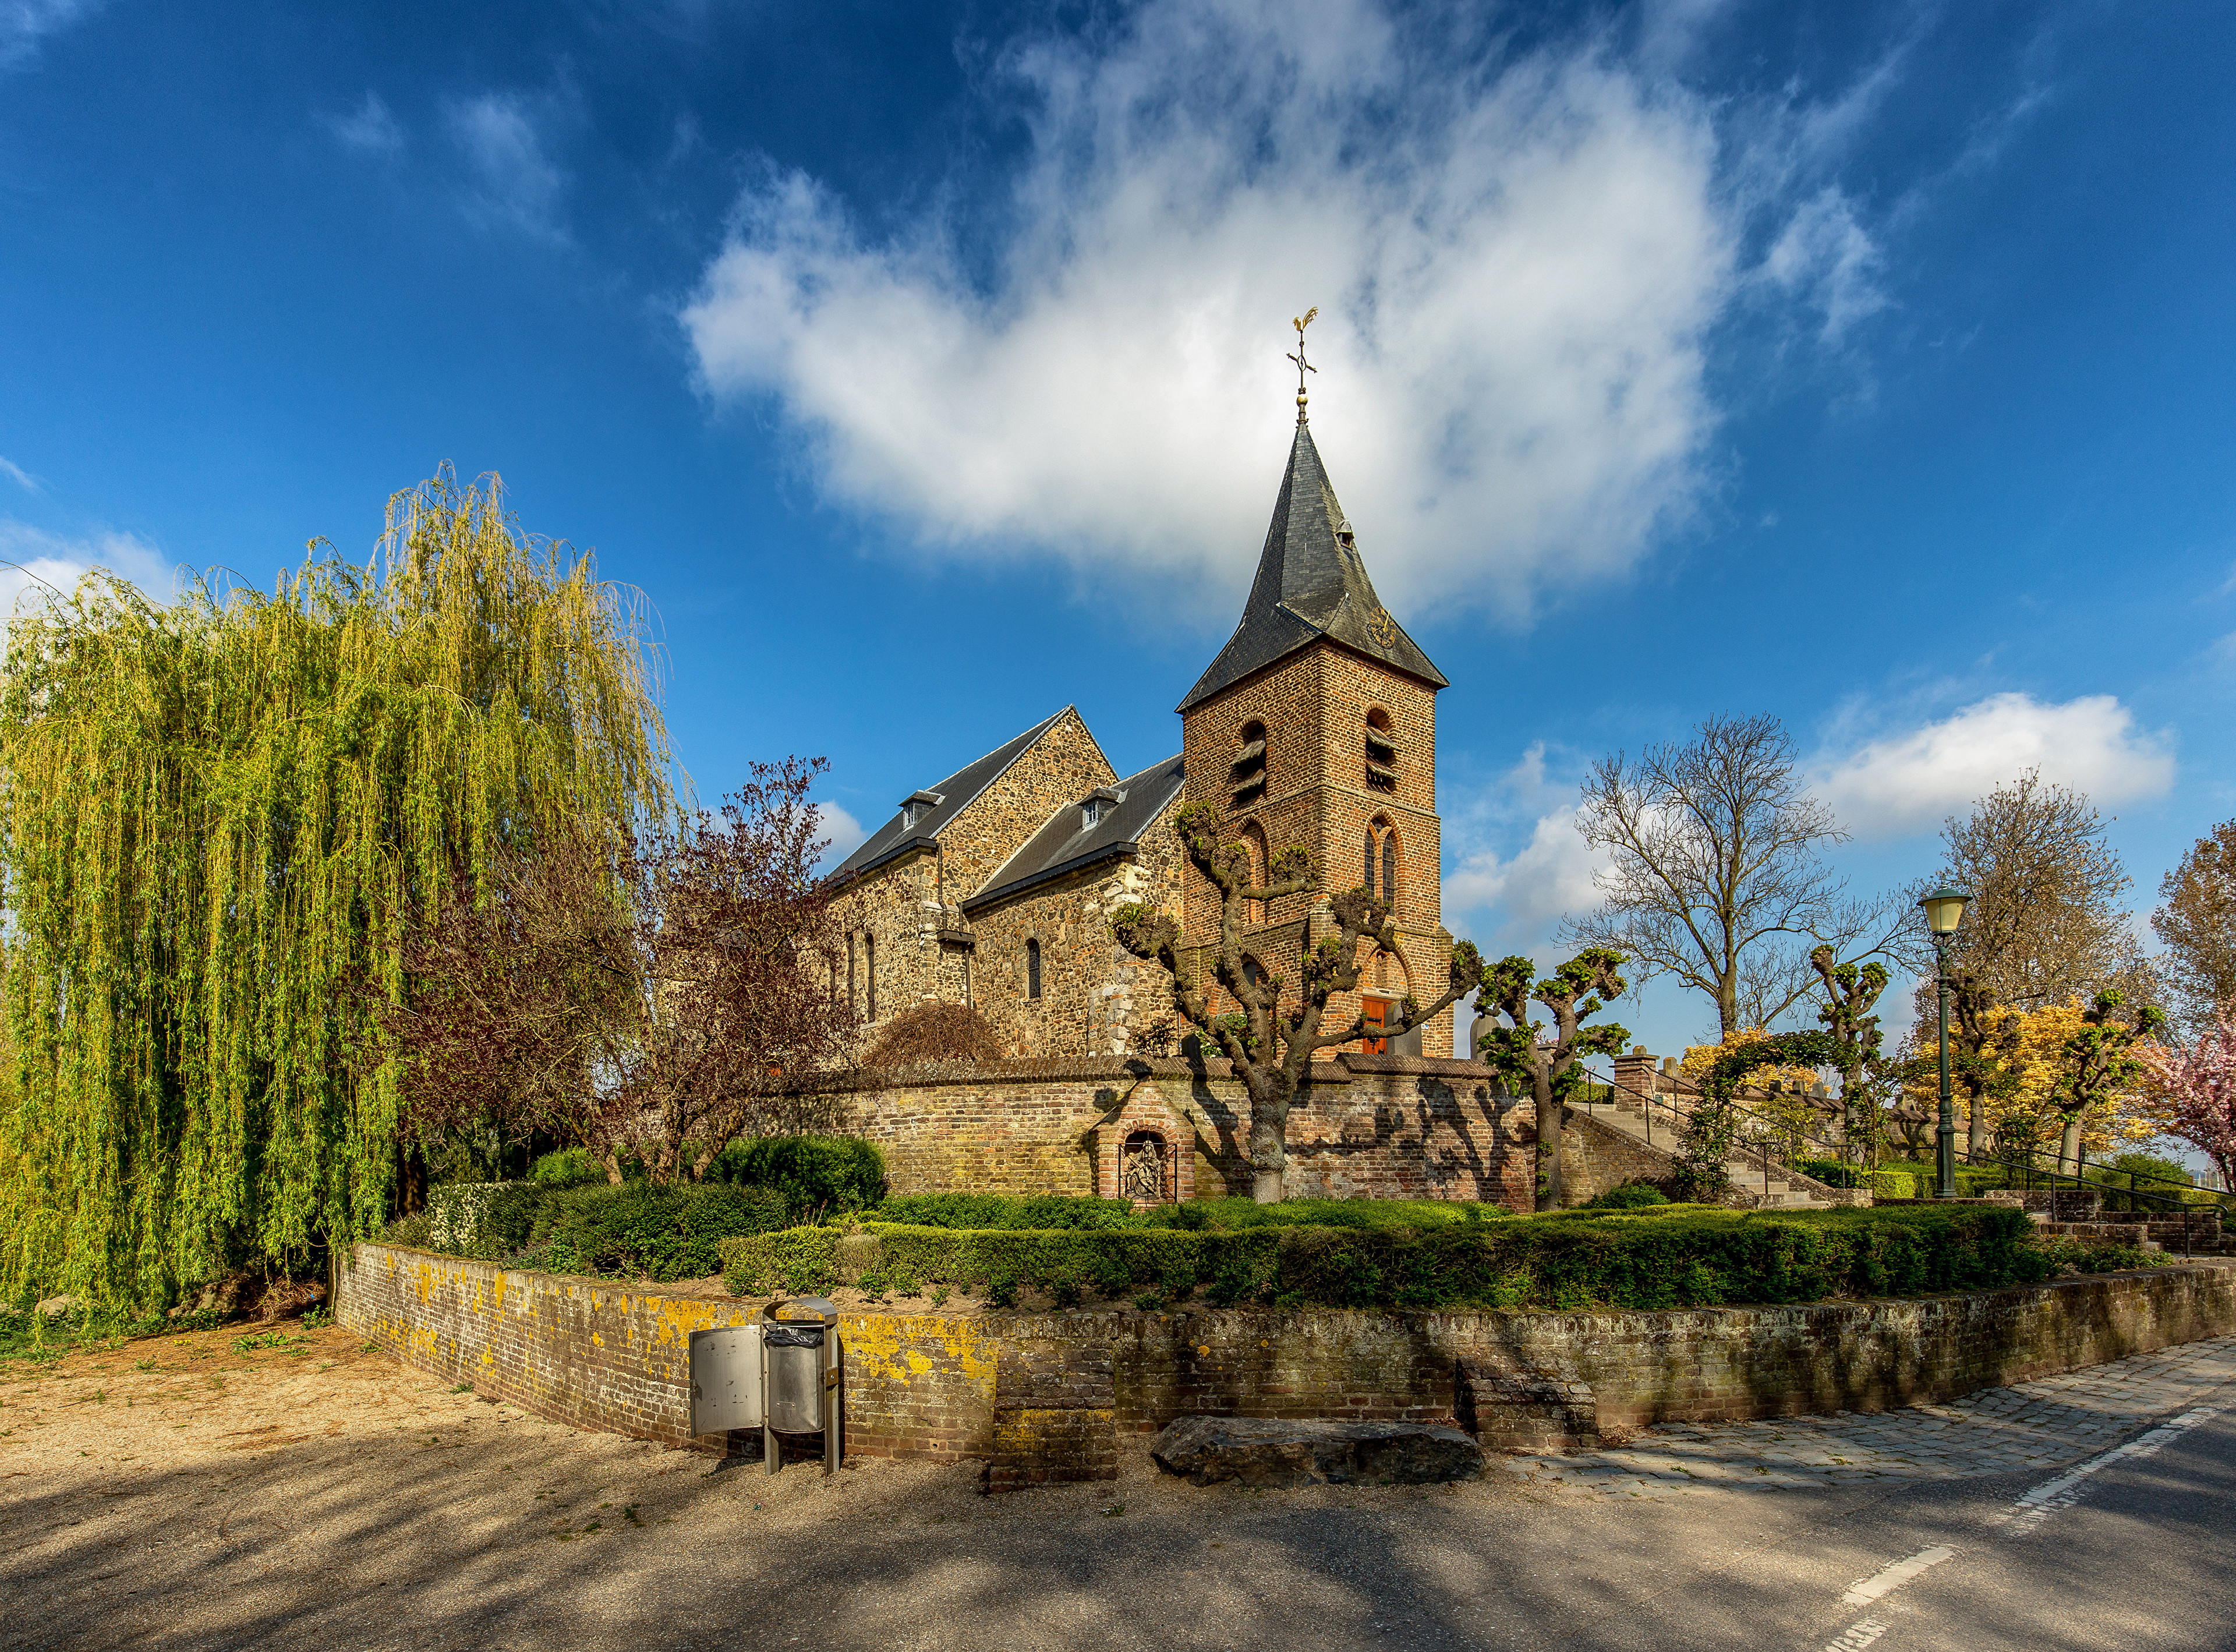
(218, 818)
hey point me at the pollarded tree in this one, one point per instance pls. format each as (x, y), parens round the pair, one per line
(1552, 1068)
(2098, 1065)
(1852, 990)
(1272, 1047)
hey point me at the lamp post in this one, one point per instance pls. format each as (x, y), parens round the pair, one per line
(1944, 910)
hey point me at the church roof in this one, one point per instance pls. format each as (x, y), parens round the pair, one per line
(1066, 843)
(938, 805)
(1311, 584)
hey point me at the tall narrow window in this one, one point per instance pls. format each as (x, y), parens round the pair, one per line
(1382, 861)
(1032, 968)
(853, 993)
(1253, 839)
(870, 972)
(1381, 751)
(1247, 775)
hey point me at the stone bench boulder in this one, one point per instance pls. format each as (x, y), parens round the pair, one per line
(1274, 1452)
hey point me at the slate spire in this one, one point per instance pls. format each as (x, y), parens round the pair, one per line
(1311, 584)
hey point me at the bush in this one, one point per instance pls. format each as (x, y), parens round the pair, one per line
(934, 1032)
(1890, 1184)
(1630, 1196)
(1658, 1257)
(986, 1210)
(1831, 1172)
(638, 1230)
(818, 1175)
(568, 1167)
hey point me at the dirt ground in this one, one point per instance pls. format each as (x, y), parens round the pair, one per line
(193, 1492)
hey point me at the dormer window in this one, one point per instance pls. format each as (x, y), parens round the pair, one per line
(1246, 772)
(1097, 808)
(1381, 751)
(916, 806)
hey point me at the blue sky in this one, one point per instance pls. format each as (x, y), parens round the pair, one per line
(1869, 365)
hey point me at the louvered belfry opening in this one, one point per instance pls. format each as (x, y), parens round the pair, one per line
(1247, 775)
(1381, 751)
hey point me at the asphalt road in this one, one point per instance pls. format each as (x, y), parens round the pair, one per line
(414, 1516)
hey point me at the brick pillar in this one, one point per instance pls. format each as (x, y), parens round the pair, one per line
(1634, 1072)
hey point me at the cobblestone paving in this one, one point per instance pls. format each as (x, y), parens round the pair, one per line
(2034, 1425)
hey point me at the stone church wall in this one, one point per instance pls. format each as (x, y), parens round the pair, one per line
(1389, 1127)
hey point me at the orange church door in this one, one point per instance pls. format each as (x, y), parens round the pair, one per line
(1376, 1015)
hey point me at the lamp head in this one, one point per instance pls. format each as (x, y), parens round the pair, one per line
(1944, 908)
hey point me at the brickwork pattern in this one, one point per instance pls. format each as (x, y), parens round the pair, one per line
(1314, 705)
(1054, 1414)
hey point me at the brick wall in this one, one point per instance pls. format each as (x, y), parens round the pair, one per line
(1314, 704)
(1045, 1396)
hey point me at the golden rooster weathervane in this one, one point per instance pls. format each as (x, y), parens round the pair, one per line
(1303, 367)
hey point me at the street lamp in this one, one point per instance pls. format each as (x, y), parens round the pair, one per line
(1944, 910)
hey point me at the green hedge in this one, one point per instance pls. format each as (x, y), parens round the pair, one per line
(981, 1210)
(633, 1231)
(1675, 1256)
(818, 1175)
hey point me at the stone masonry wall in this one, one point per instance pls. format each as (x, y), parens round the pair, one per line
(1375, 1127)
(1094, 994)
(1046, 1396)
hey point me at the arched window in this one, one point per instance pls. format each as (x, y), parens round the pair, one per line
(1032, 968)
(1253, 839)
(1382, 861)
(1381, 751)
(1251, 765)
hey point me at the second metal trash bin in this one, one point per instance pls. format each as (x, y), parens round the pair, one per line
(799, 1376)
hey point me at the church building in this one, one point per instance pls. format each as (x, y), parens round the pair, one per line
(992, 886)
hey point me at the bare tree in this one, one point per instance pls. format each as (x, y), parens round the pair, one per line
(1272, 1047)
(2044, 923)
(1551, 1067)
(2196, 920)
(1716, 876)
(654, 995)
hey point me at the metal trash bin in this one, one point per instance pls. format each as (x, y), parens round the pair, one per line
(800, 1377)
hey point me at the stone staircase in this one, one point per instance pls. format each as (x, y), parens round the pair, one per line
(1784, 1189)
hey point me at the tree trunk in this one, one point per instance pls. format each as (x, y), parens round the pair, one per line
(1977, 1138)
(2068, 1146)
(1551, 1187)
(1269, 1134)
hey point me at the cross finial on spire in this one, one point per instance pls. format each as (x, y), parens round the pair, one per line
(1303, 367)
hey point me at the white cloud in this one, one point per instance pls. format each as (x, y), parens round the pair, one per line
(512, 180)
(36, 564)
(1516, 271)
(1910, 782)
(370, 128)
(845, 832)
(1825, 260)
(1516, 901)
(18, 475)
(24, 24)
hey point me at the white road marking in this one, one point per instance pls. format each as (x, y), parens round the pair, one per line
(2030, 1510)
(1895, 1577)
(1858, 1636)
(2035, 1506)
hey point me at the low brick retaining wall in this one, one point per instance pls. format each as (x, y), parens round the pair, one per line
(1047, 1395)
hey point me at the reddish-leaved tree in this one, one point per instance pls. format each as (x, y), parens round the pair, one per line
(2198, 1083)
(655, 994)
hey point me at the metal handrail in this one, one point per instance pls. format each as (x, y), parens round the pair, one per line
(1759, 1152)
(2011, 1164)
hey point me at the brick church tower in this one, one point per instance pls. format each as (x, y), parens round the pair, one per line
(1317, 724)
